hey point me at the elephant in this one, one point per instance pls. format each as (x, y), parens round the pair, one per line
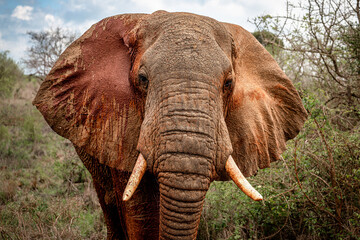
(157, 106)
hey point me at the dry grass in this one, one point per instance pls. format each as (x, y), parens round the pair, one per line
(45, 192)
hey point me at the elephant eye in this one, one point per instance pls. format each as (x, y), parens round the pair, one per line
(228, 84)
(143, 81)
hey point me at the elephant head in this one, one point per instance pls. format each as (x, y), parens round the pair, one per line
(184, 97)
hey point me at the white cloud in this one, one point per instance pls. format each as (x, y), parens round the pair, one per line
(149, 6)
(80, 28)
(16, 51)
(53, 21)
(4, 45)
(233, 11)
(22, 12)
(49, 18)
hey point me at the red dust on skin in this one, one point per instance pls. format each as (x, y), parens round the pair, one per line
(84, 102)
(237, 99)
(256, 94)
(279, 86)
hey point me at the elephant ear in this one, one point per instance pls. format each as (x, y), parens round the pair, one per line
(88, 97)
(265, 110)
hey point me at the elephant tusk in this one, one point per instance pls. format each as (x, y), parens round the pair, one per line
(239, 179)
(135, 177)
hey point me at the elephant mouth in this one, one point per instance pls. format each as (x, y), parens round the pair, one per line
(231, 168)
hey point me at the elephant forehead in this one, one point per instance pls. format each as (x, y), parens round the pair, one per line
(185, 28)
(187, 49)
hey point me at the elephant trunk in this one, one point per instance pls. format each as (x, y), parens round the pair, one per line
(183, 137)
(181, 201)
(185, 165)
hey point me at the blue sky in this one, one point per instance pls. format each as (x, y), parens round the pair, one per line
(20, 16)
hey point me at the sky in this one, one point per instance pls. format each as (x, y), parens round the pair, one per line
(17, 17)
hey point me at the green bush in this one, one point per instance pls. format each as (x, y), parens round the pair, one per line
(20, 135)
(10, 74)
(314, 193)
(45, 191)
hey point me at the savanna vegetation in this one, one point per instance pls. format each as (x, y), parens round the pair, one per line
(45, 192)
(312, 193)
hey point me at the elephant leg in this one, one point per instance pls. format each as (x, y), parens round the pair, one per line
(141, 213)
(110, 211)
(102, 180)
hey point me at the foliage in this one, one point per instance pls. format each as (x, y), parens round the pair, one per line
(45, 191)
(269, 40)
(322, 37)
(314, 192)
(10, 74)
(46, 48)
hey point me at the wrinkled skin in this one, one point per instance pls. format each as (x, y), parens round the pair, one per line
(185, 91)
